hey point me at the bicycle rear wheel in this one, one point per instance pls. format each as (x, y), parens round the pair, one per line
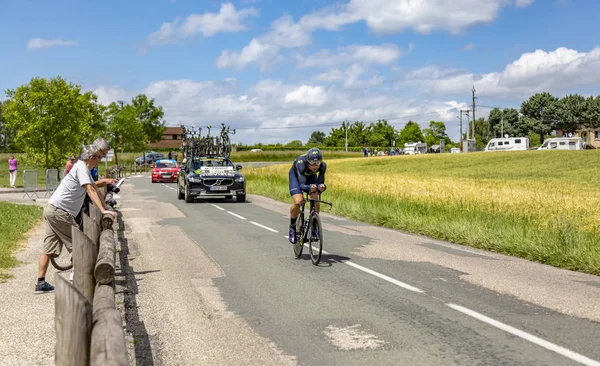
(64, 261)
(315, 238)
(299, 246)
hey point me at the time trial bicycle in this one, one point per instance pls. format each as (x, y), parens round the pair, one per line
(309, 229)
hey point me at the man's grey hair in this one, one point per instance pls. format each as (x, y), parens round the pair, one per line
(101, 143)
(88, 151)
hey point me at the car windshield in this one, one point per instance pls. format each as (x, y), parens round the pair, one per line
(204, 163)
(166, 164)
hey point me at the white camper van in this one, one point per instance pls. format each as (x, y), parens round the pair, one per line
(508, 144)
(411, 148)
(562, 143)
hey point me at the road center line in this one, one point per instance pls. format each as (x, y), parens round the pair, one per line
(264, 227)
(219, 207)
(405, 286)
(236, 215)
(529, 337)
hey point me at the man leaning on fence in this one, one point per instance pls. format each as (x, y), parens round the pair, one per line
(63, 206)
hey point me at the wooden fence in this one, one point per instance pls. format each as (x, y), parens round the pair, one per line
(89, 328)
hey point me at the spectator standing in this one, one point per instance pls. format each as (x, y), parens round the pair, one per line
(13, 164)
(64, 204)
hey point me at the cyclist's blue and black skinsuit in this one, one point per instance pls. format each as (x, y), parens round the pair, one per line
(301, 177)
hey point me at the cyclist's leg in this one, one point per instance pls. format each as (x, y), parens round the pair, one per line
(296, 194)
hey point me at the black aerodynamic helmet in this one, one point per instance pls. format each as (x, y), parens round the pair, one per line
(314, 156)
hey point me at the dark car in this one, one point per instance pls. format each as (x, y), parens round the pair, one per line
(210, 176)
(151, 157)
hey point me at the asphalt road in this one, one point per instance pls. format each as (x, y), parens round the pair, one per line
(379, 297)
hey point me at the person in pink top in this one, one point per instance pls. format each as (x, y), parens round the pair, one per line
(12, 170)
(70, 163)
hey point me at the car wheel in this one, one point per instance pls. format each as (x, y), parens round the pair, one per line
(188, 197)
(180, 195)
(241, 198)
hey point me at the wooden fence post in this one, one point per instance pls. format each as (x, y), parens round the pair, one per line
(84, 260)
(104, 272)
(108, 339)
(91, 228)
(95, 213)
(73, 325)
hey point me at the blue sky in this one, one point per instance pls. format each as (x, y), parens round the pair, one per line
(263, 66)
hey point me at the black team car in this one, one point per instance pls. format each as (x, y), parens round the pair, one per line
(210, 176)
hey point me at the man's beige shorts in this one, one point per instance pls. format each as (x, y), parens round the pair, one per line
(58, 224)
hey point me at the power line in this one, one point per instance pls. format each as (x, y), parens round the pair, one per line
(333, 124)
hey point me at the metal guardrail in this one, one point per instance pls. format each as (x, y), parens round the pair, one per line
(30, 183)
(51, 181)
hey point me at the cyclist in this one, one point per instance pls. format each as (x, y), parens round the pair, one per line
(306, 175)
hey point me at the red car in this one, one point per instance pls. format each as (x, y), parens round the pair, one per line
(165, 170)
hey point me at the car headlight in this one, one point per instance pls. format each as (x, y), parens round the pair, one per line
(240, 179)
(195, 179)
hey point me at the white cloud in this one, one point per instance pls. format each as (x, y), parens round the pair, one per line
(366, 54)
(35, 43)
(307, 95)
(558, 70)
(227, 20)
(265, 111)
(264, 55)
(330, 76)
(109, 94)
(387, 17)
(523, 3)
(468, 47)
(351, 77)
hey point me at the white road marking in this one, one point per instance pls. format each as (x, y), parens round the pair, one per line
(236, 215)
(384, 277)
(529, 337)
(264, 227)
(219, 207)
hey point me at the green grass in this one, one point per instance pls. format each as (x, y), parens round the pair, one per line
(15, 221)
(539, 205)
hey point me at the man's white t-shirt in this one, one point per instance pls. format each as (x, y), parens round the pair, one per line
(71, 191)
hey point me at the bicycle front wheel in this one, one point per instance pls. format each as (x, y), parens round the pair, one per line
(64, 261)
(315, 238)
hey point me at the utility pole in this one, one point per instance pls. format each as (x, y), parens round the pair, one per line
(473, 91)
(461, 137)
(466, 112)
(346, 136)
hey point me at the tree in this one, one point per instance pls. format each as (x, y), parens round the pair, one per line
(296, 144)
(150, 116)
(6, 134)
(410, 133)
(52, 119)
(316, 138)
(435, 133)
(357, 135)
(381, 134)
(538, 121)
(124, 129)
(570, 113)
(133, 126)
(495, 121)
